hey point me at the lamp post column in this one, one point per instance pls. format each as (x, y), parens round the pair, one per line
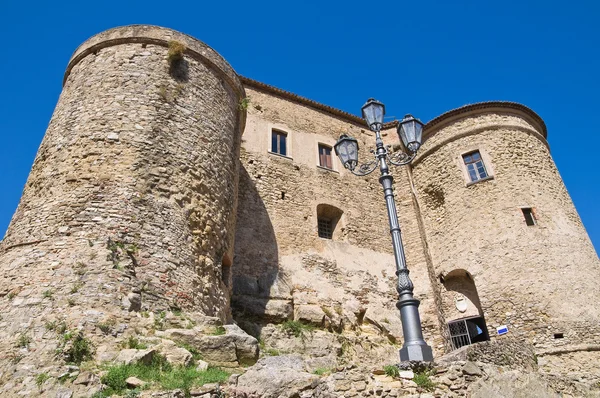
(414, 348)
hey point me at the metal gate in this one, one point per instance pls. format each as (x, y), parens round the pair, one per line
(459, 333)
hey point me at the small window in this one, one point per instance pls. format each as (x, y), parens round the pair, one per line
(325, 228)
(475, 166)
(279, 142)
(559, 335)
(325, 156)
(529, 216)
(328, 219)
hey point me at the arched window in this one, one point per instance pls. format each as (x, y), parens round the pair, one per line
(328, 218)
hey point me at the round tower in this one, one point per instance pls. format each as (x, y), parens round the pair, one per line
(130, 204)
(507, 245)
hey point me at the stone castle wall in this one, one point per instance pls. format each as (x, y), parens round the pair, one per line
(538, 280)
(282, 268)
(130, 204)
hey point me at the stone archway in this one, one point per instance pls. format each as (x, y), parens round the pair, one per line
(462, 308)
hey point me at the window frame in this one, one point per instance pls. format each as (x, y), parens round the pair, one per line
(532, 221)
(319, 158)
(483, 158)
(279, 133)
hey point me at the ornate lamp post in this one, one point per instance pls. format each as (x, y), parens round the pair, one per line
(410, 131)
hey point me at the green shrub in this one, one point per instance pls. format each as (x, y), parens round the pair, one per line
(133, 343)
(220, 330)
(176, 50)
(297, 328)
(41, 379)
(272, 352)
(23, 341)
(76, 348)
(244, 102)
(391, 370)
(322, 371)
(47, 294)
(422, 380)
(160, 373)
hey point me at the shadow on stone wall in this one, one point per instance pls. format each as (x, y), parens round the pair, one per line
(256, 263)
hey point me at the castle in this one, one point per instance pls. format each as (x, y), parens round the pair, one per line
(210, 192)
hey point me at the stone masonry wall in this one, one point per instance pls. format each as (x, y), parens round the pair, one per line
(130, 204)
(538, 280)
(282, 269)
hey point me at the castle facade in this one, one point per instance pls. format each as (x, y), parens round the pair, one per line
(167, 181)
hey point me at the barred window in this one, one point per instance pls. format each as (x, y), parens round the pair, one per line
(475, 166)
(328, 221)
(325, 228)
(467, 331)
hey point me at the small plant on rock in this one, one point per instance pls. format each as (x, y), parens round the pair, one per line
(134, 343)
(41, 379)
(322, 371)
(219, 331)
(47, 294)
(297, 328)
(244, 102)
(422, 380)
(75, 348)
(23, 341)
(176, 50)
(391, 370)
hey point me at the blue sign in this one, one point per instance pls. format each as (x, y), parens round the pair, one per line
(502, 330)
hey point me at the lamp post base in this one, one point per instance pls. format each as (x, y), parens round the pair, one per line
(421, 353)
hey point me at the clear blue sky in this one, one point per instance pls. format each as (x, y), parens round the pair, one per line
(422, 57)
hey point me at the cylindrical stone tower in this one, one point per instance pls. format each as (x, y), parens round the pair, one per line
(130, 204)
(507, 245)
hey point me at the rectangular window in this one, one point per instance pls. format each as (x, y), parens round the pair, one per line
(325, 156)
(278, 142)
(325, 228)
(529, 216)
(475, 166)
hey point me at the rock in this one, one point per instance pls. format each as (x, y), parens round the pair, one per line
(129, 356)
(201, 365)
(312, 314)
(246, 346)
(231, 349)
(134, 382)
(135, 301)
(273, 310)
(64, 393)
(233, 379)
(175, 355)
(471, 369)
(512, 383)
(407, 374)
(86, 378)
(281, 376)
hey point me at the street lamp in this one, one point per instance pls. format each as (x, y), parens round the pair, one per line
(410, 132)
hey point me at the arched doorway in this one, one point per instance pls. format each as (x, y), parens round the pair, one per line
(462, 308)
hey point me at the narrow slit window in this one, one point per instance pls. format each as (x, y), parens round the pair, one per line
(325, 228)
(529, 216)
(325, 156)
(279, 142)
(475, 166)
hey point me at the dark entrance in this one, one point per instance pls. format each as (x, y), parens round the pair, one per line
(467, 331)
